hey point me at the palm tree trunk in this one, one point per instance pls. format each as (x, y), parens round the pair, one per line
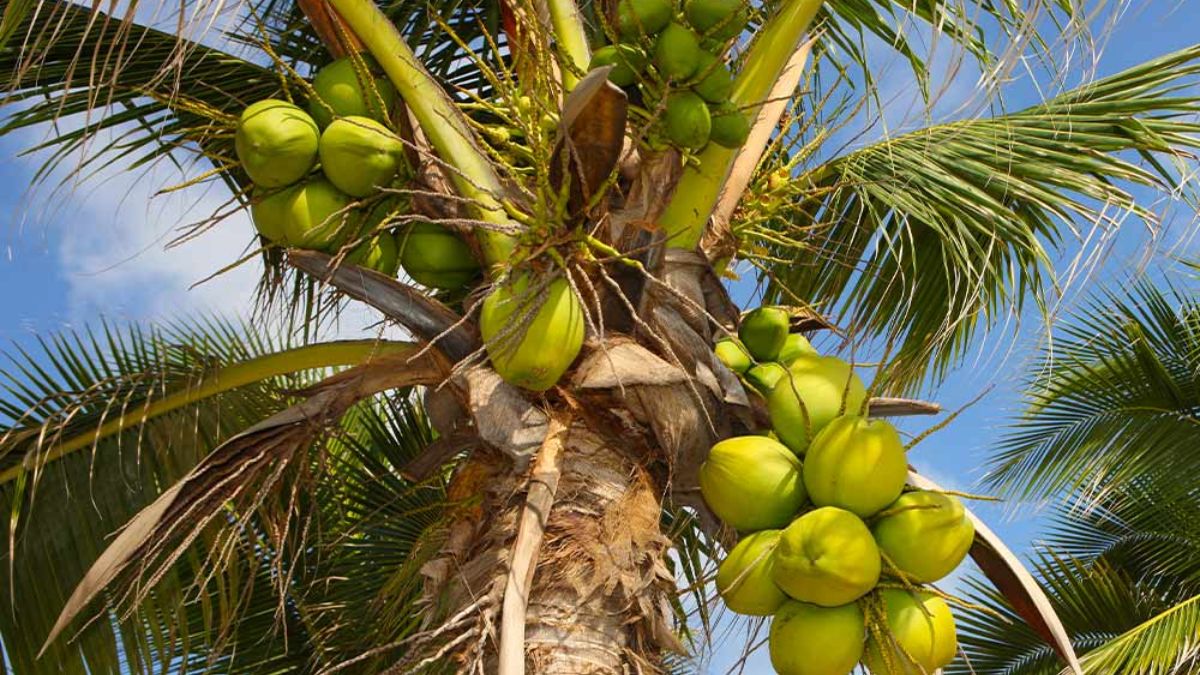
(599, 602)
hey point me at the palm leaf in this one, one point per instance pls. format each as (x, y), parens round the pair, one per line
(935, 234)
(1164, 645)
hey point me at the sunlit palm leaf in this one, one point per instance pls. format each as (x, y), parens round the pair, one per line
(935, 234)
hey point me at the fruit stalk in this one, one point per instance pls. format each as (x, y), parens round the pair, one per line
(696, 195)
(473, 174)
(572, 40)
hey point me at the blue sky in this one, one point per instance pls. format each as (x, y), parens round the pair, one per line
(99, 251)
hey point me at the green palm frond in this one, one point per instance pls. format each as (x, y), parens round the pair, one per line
(935, 234)
(1096, 602)
(1118, 402)
(1165, 645)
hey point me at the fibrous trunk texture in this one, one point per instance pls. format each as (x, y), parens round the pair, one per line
(599, 602)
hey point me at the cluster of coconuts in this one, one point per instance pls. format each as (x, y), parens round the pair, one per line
(835, 547)
(319, 177)
(683, 44)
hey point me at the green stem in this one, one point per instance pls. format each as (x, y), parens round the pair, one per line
(475, 177)
(692, 203)
(327, 355)
(572, 39)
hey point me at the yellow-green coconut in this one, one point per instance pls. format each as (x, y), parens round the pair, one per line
(733, 354)
(642, 17)
(380, 253)
(715, 82)
(795, 346)
(677, 52)
(856, 464)
(269, 210)
(436, 257)
(717, 19)
(764, 331)
(815, 390)
(765, 376)
(752, 483)
(807, 639)
(340, 86)
(628, 62)
(276, 142)
(317, 215)
(925, 535)
(921, 627)
(730, 126)
(687, 120)
(744, 577)
(827, 557)
(532, 331)
(360, 155)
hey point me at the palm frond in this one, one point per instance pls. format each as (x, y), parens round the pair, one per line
(1168, 644)
(1117, 404)
(936, 234)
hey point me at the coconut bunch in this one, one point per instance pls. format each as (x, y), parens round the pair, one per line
(835, 546)
(324, 179)
(671, 56)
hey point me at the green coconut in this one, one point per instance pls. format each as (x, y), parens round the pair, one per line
(730, 126)
(532, 334)
(338, 86)
(922, 635)
(827, 557)
(925, 534)
(380, 253)
(360, 155)
(276, 142)
(795, 346)
(269, 210)
(752, 483)
(436, 257)
(744, 577)
(807, 639)
(686, 120)
(677, 52)
(763, 331)
(715, 82)
(811, 396)
(765, 376)
(717, 19)
(856, 464)
(628, 62)
(642, 17)
(317, 214)
(733, 354)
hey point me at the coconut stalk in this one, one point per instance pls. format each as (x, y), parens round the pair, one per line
(327, 355)
(571, 36)
(698, 190)
(473, 174)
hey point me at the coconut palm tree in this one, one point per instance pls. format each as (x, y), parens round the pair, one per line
(1111, 422)
(288, 504)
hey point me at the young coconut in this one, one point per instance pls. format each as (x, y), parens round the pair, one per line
(815, 390)
(925, 534)
(827, 557)
(716, 82)
(339, 91)
(856, 464)
(717, 19)
(677, 52)
(920, 635)
(763, 331)
(628, 62)
(765, 376)
(744, 577)
(730, 127)
(532, 332)
(435, 257)
(380, 253)
(795, 346)
(806, 639)
(733, 354)
(752, 483)
(269, 211)
(687, 120)
(642, 17)
(316, 214)
(276, 142)
(360, 155)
